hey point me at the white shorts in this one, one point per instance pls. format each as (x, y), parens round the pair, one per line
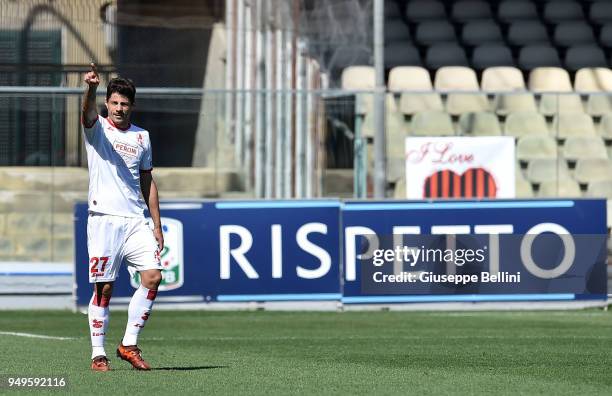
(111, 239)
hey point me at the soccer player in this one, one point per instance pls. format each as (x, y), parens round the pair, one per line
(120, 183)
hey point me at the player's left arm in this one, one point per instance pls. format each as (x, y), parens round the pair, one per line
(151, 197)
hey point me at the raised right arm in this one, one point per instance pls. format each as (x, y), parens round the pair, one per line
(89, 114)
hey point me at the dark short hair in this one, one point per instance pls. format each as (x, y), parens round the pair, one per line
(122, 86)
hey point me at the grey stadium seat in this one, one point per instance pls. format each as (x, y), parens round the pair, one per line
(479, 124)
(601, 12)
(525, 123)
(538, 55)
(605, 36)
(527, 33)
(401, 54)
(581, 56)
(422, 10)
(558, 11)
(446, 54)
(516, 10)
(432, 123)
(568, 34)
(392, 10)
(433, 32)
(396, 30)
(491, 55)
(537, 146)
(481, 32)
(468, 10)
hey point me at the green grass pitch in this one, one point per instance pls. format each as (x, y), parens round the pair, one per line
(255, 352)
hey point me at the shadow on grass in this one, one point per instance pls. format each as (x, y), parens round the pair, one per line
(189, 368)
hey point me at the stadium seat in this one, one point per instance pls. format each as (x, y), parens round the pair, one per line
(479, 124)
(593, 79)
(593, 169)
(394, 126)
(605, 127)
(460, 79)
(481, 32)
(599, 104)
(551, 104)
(432, 123)
(559, 11)
(446, 54)
(581, 56)
(523, 33)
(433, 32)
(566, 188)
(468, 10)
(547, 169)
(533, 147)
(399, 192)
(491, 55)
(605, 36)
(521, 186)
(504, 104)
(538, 55)
(392, 10)
(600, 189)
(577, 147)
(601, 12)
(401, 54)
(456, 78)
(422, 10)
(549, 79)
(416, 79)
(396, 30)
(360, 78)
(502, 79)
(525, 123)
(573, 33)
(567, 125)
(409, 78)
(515, 10)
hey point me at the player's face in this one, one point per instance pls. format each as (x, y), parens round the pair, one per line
(119, 109)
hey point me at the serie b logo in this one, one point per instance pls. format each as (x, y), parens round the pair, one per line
(171, 257)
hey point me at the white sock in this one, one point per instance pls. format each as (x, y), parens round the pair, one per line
(98, 322)
(138, 313)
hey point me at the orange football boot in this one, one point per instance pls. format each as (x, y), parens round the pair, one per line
(132, 354)
(100, 363)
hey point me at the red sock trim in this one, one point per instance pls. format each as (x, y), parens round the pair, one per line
(101, 301)
(151, 294)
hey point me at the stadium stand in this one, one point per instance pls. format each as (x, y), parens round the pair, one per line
(537, 70)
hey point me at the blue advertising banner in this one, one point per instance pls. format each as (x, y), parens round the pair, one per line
(534, 250)
(236, 251)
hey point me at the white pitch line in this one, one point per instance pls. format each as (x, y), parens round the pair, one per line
(30, 335)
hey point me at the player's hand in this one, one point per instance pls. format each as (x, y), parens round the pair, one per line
(159, 237)
(91, 77)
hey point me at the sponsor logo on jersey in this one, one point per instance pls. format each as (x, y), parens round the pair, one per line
(125, 149)
(171, 257)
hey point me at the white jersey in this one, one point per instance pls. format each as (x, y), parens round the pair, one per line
(115, 158)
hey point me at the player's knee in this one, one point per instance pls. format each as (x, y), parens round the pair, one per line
(152, 279)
